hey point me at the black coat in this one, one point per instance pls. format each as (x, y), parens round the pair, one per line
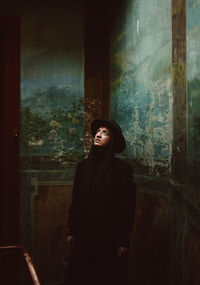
(101, 219)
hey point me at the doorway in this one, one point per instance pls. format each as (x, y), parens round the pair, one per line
(9, 143)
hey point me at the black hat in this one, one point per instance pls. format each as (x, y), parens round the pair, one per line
(119, 140)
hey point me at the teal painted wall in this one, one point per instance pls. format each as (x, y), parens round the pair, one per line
(141, 95)
(193, 84)
(52, 86)
(52, 82)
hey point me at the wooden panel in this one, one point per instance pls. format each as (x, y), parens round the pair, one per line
(50, 206)
(96, 65)
(150, 242)
(179, 158)
(192, 256)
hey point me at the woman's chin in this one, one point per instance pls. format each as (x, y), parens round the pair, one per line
(97, 144)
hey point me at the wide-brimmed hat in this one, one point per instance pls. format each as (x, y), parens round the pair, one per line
(119, 140)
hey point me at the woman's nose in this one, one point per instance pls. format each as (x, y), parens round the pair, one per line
(99, 135)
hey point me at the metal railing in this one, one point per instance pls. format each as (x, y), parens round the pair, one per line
(20, 251)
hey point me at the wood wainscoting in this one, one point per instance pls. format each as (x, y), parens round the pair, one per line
(50, 204)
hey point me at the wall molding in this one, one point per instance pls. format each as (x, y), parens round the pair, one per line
(36, 183)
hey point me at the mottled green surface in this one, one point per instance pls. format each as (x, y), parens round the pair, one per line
(51, 87)
(51, 126)
(193, 83)
(141, 96)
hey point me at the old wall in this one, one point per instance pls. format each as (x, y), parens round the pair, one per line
(193, 85)
(51, 84)
(141, 95)
(51, 115)
(64, 86)
(155, 97)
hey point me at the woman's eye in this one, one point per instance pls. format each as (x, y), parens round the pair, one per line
(106, 133)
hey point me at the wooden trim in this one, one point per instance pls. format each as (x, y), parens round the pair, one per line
(36, 183)
(179, 147)
(96, 66)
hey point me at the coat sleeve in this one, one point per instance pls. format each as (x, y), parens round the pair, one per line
(74, 203)
(127, 207)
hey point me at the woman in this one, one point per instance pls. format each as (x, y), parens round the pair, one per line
(102, 210)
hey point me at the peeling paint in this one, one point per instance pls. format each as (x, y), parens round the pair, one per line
(141, 85)
(193, 86)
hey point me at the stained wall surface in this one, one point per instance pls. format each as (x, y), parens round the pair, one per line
(51, 116)
(193, 85)
(141, 84)
(51, 84)
(154, 89)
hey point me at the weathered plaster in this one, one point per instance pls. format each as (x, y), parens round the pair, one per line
(193, 87)
(52, 84)
(141, 86)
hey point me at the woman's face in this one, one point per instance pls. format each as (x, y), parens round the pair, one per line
(102, 136)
